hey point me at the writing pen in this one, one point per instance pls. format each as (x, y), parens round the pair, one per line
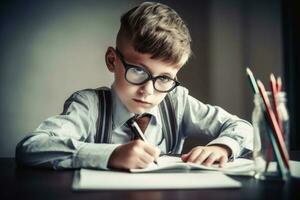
(138, 132)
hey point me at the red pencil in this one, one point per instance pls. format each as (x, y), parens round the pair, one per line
(272, 120)
(279, 84)
(274, 91)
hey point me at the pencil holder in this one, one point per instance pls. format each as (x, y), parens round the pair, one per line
(265, 150)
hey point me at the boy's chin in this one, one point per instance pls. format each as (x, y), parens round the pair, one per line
(138, 110)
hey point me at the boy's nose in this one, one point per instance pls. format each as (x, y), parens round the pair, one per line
(148, 87)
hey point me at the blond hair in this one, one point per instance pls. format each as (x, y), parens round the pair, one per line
(156, 29)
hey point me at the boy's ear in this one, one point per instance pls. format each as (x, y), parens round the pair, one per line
(110, 59)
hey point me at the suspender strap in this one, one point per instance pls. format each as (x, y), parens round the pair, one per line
(104, 127)
(104, 122)
(169, 127)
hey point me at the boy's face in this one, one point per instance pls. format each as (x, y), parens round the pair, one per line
(138, 98)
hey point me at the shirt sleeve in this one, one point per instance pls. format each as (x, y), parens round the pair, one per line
(214, 122)
(67, 140)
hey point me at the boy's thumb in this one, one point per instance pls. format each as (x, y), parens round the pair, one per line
(184, 157)
(157, 152)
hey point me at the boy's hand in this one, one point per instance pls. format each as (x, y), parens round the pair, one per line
(135, 154)
(207, 155)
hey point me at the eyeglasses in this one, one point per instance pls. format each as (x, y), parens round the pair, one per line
(138, 76)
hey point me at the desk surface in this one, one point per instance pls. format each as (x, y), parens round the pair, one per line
(33, 183)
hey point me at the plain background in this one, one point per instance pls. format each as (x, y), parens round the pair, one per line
(49, 49)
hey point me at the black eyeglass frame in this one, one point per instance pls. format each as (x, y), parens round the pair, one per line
(150, 77)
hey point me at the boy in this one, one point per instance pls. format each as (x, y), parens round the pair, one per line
(152, 45)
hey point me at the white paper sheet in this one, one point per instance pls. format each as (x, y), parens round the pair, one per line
(87, 179)
(295, 168)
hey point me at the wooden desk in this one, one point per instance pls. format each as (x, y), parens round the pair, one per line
(33, 183)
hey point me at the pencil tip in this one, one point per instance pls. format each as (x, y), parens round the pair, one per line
(279, 79)
(248, 70)
(272, 77)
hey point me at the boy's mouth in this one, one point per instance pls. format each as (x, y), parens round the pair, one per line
(141, 102)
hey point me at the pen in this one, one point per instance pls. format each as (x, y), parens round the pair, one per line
(138, 132)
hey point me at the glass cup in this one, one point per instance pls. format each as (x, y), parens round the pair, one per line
(263, 151)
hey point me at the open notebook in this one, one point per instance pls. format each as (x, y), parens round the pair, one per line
(239, 166)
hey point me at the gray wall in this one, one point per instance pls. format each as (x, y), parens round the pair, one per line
(50, 49)
(243, 34)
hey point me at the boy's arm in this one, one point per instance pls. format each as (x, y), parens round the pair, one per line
(222, 128)
(67, 140)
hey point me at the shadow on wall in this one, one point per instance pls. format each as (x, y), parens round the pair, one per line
(49, 49)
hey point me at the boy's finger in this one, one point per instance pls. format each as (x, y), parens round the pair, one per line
(157, 152)
(199, 156)
(146, 158)
(223, 160)
(193, 154)
(151, 150)
(139, 164)
(210, 159)
(184, 157)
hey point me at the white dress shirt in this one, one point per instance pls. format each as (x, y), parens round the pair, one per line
(68, 140)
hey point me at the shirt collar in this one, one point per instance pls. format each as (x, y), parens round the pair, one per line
(121, 114)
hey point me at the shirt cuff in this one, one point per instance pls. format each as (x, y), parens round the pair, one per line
(94, 155)
(230, 143)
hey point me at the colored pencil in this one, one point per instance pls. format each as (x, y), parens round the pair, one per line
(252, 81)
(272, 120)
(269, 154)
(274, 92)
(279, 84)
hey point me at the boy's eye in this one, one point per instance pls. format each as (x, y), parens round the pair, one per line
(138, 70)
(164, 79)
